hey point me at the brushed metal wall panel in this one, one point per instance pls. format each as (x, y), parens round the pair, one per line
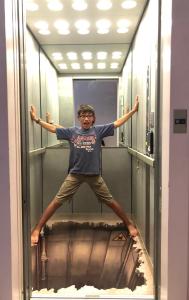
(125, 101)
(66, 110)
(116, 171)
(33, 89)
(49, 97)
(152, 213)
(35, 189)
(43, 96)
(55, 166)
(139, 195)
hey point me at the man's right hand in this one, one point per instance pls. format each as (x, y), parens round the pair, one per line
(33, 113)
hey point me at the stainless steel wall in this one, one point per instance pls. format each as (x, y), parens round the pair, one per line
(116, 170)
(124, 103)
(140, 72)
(49, 97)
(42, 92)
(144, 84)
(66, 101)
(35, 138)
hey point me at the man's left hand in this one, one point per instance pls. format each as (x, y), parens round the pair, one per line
(136, 105)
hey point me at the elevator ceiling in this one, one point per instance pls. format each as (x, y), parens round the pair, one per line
(85, 36)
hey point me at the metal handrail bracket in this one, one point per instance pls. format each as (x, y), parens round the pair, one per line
(37, 151)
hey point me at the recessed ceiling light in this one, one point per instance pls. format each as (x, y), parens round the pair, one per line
(86, 55)
(64, 31)
(102, 55)
(114, 65)
(41, 25)
(72, 55)
(122, 30)
(103, 24)
(82, 24)
(79, 5)
(31, 6)
(123, 23)
(55, 5)
(83, 31)
(88, 65)
(57, 56)
(129, 4)
(103, 31)
(61, 24)
(116, 54)
(101, 65)
(44, 31)
(63, 66)
(104, 4)
(75, 66)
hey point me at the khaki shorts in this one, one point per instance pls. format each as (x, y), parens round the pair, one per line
(73, 182)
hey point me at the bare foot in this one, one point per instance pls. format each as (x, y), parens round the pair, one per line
(35, 237)
(132, 230)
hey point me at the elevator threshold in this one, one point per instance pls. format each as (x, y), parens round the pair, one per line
(90, 260)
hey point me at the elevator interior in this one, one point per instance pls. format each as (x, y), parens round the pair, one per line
(56, 82)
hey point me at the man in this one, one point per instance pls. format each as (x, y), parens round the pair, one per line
(84, 164)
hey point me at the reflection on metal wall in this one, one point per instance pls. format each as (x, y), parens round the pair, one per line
(33, 88)
(66, 102)
(143, 202)
(143, 127)
(49, 97)
(33, 97)
(139, 194)
(96, 255)
(116, 171)
(55, 169)
(125, 89)
(143, 79)
(35, 189)
(42, 92)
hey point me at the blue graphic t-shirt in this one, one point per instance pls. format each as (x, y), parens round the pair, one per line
(85, 147)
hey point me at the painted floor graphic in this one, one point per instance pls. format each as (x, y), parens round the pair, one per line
(86, 254)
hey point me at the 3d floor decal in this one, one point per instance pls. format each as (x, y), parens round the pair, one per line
(86, 254)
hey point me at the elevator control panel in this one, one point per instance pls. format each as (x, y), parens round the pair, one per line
(180, 121)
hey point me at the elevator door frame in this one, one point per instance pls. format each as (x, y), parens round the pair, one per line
(25, 164)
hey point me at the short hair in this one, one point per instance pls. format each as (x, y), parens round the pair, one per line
(83, 108)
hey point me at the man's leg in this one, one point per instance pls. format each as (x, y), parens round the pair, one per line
(66, 192)
(116, 207)
(101, 190)
(49, 211)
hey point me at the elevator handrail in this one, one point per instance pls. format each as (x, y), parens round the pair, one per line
(148, 160)
(37, 151)
(43, 149)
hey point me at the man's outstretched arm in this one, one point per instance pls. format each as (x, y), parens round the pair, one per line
(46, 125)
(127, 115)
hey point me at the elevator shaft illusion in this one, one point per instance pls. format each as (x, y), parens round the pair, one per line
(86, 254)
